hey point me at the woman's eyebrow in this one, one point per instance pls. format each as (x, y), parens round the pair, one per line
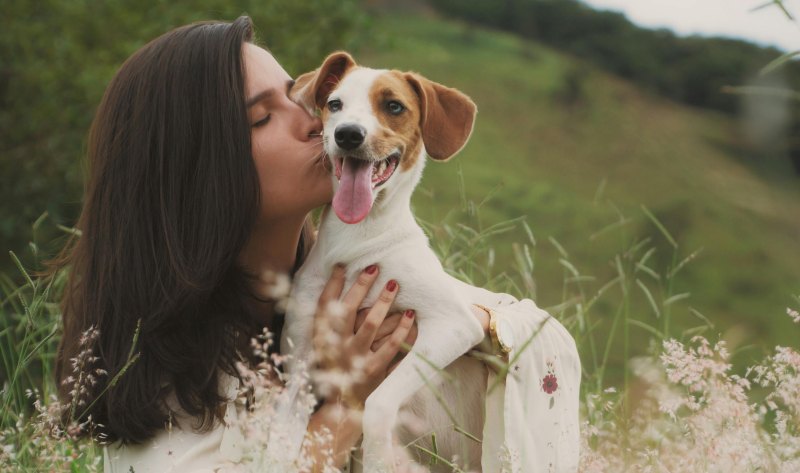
(259, 97)
(267, 94)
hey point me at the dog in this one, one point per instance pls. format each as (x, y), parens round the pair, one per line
(379, 125)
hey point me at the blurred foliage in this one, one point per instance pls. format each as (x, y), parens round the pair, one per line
(56, 58)
(698, 71)
(692, 70)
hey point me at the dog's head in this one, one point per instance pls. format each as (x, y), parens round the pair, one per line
(377, 124)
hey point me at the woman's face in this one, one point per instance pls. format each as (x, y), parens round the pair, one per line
(286, 142)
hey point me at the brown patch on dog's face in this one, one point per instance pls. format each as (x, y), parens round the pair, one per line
(396, 106)
(311, 90)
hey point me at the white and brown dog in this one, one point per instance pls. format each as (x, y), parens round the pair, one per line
(378, 127)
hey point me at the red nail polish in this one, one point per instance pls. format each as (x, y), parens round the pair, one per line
(371, 269)
(409, 313)
(391, 285)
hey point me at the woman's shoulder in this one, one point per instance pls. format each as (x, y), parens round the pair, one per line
(179, 448)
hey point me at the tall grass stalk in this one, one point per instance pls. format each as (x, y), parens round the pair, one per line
(31, 434)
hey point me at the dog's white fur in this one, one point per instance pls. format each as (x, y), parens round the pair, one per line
(390, 237)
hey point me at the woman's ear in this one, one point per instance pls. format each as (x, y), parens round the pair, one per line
(311, 90)
(446, 117)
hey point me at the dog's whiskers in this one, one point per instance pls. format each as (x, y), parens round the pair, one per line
(321, 160)
(312, 144)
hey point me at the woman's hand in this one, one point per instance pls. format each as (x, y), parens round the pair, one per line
(385, 332)
(354, 358)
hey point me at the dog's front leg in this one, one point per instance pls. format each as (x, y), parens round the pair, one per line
(443, 337)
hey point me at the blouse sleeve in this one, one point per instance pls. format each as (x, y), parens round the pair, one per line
(269, 439)
(532, 421)
(176, 450)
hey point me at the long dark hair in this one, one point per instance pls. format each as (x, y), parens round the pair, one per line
(171, 197)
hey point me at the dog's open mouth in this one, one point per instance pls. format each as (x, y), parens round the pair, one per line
(358, 179)
(380, 171)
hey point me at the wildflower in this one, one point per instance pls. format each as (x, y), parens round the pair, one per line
(276, 285)
(795, 315)
(335, 309)
(695, 415)
(85, 375)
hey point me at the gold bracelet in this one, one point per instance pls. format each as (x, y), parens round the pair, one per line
(499, 332)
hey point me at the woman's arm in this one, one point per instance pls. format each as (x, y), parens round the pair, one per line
(344, 425)
(532, 404)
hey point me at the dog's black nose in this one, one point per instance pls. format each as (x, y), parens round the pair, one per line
(349, 136)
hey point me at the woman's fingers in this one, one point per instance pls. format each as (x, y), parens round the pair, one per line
(333, 288)
(324, 319)
(388, 325)
(360, 316)
(387, 352)
(357, 292)
(381, 339)
(366, 333)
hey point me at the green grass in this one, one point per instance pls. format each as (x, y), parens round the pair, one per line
(567, 168)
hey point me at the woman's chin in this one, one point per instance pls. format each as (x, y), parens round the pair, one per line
(322, 193)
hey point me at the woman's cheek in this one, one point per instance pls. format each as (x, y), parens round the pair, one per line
(263, 149)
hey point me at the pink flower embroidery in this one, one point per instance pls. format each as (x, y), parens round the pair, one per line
(550, 382)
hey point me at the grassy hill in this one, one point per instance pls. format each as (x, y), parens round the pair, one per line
(571, 149)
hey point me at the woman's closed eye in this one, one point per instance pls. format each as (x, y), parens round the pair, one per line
(262, 121)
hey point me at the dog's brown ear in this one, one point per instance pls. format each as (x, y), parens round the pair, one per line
(311, 90)
(446, 117)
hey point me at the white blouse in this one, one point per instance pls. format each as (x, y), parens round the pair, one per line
(531, 416)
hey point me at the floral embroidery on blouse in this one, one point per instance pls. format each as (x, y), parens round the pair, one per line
(550, 383)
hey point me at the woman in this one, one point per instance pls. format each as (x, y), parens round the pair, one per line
(202, 177)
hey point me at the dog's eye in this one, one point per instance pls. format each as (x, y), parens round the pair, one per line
(395, 107)
(335, 105)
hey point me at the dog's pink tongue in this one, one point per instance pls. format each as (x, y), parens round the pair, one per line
(353, 198)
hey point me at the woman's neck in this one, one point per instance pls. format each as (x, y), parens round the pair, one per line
(272, 247)
(270, 251)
